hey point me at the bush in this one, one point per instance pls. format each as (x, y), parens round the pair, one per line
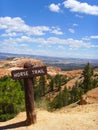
(5, 117)
(61, 100)
(11, 98)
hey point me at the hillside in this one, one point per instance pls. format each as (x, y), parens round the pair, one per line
(90, 97)
(16, 63)
(71, 117)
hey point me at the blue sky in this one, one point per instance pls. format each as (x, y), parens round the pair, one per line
(61, 28)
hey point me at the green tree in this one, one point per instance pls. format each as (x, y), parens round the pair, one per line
(42, 84)
(51, 84)
(11, 98)
(61, 100)
(95, 83)
(36, 89)
(87, 74)
(76, 92)
(65, 96)
(58, 81)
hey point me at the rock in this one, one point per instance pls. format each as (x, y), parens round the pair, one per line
(90, 97)
(4, 72)
(16, 63)
(19, 62)
(53, 70)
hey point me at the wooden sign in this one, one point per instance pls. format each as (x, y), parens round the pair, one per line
(29, 72)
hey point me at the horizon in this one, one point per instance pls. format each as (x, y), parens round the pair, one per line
(55, 28)
(6, 53)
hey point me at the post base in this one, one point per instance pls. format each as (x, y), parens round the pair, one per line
(31, 119)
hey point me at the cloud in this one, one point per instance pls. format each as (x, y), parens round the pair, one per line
(79, 16)
(76, 6)
(61, 47)
(56, 30)
(54, 7)
(94, 37)
(75, 25)
(87, 38)
(9, 34)
(55, 40)
(17, 25)
(43, 46)
(19, 37)
(49, 41)
(71, 30)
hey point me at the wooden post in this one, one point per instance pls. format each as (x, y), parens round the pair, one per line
(27, 74)
(29, 98)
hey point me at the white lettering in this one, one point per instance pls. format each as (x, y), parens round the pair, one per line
(41, 71)
(20, 74)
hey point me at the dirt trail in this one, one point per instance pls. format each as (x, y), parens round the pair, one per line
(79, 118)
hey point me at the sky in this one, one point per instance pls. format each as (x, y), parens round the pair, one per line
(60, 28)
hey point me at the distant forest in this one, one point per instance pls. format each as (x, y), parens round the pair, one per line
(67, 67)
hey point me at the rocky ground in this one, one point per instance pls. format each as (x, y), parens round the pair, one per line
(83, 117)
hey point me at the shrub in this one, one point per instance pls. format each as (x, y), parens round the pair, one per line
(11, 98)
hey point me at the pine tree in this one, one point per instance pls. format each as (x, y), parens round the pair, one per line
(42, 84)
(87, 73)
(36, 89)
(58, 81)
(65, 96)
(51, 84)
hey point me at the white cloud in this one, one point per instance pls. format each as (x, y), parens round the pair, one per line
(23, 45)
(75, 25)
(56, 30)
(76, 6)
(79, 16)
(71, 30)
(18, 37)
(61, 47)
(54, 7)
(69, 42)
(12, 34)
(49, 41)
(94, 37)
(24, 39)
(87, 38)
(17, 25)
